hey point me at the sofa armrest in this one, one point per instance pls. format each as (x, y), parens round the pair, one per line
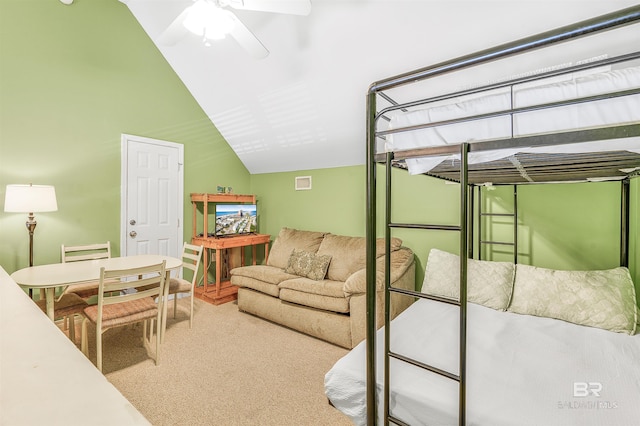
(401, 260)
(357, 283)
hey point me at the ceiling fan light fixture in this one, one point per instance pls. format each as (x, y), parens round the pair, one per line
(208, 20)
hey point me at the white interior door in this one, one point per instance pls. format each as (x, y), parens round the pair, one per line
(152, 194)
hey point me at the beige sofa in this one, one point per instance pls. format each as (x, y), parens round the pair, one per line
(293, 290)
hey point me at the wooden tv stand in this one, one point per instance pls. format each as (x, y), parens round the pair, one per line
(221, 291)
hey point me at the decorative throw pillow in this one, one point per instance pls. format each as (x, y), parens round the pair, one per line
(319, 267)
(603, 299)
(488, 283)
(307, 264)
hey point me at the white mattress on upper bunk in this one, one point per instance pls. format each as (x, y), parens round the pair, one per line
(600, 113)
(521, 369)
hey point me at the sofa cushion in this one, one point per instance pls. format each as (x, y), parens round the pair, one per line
(604, 299)
(348, 254)
(307, 264)
(262, 278)
(327, 303)
(307, 285)
(326, 294)
(289, 239)
(264, 273)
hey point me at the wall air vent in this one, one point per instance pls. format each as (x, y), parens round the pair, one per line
(303, 183)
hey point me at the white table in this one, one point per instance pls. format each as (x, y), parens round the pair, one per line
(49, 277)
(44, 378)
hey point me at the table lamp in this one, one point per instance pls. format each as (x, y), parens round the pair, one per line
(30, 199)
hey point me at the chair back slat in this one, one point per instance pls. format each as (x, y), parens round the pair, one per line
(85, 252)
(113, 282)
(191, 255)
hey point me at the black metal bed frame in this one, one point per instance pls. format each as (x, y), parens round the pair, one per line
(467, 177)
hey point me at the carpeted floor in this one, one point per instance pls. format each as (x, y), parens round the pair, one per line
(230, 369)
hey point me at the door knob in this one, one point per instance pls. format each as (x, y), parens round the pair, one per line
(133, 234)
(132, 222)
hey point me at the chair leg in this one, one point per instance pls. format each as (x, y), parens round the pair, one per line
(99, 349)
(175, 305)
(158, 338)
(191, 312)
(72, 326)
(83, 343)
(163, 319)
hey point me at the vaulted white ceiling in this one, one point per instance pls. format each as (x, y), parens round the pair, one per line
(303, 106)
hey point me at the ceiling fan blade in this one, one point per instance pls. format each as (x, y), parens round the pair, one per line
(247, 40)
(290, 7)
(175, 31)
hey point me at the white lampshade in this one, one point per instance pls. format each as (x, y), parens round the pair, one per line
(30, 199)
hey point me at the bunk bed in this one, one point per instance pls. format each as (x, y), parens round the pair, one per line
(501, 365)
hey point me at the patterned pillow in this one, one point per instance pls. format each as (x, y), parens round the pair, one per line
(307, 264)
(603, 299)
(488, 283)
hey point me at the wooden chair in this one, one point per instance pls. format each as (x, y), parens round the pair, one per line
(84, 253)
(67, 306)
(118, 304)
(191, 255)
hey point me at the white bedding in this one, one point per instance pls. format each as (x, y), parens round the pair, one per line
(521, 370)
(594, 114)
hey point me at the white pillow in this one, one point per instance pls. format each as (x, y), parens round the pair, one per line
(603, 299)
(488, 283)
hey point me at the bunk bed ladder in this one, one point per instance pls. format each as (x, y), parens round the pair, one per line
(490, 215)
(463, 229)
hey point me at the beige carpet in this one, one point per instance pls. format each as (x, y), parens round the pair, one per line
(230, 369)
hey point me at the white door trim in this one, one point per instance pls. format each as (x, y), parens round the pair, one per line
(125, 139)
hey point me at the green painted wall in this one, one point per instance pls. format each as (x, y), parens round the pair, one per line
(565, 226)
(336, 202)
(549, 217)
(72, 80)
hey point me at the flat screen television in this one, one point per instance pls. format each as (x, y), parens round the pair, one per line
(235, 219)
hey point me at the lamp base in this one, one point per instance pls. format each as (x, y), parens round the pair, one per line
(31, 227)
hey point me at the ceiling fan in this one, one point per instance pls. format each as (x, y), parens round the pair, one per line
(211, 20)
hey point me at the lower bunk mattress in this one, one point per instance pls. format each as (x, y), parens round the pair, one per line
(521, 370)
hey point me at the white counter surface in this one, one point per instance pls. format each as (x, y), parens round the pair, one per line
(44, 378)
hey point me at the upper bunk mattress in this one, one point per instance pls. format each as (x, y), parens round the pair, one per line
(596, 113)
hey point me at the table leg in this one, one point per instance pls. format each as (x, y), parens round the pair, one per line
(50, 300)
